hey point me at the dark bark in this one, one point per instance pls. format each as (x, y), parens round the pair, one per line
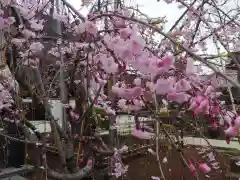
(30, 79)
(75, 176)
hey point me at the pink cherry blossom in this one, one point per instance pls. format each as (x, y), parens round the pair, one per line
(137, 81)
(204, 168)
(128, 93)
(180, 97)
(182, 85)
(141, 134)
(214, 125)
(200, 105)
(192, 167)
(237, 122)
(164, 86)
(135, 44)
(231, 131)
(125, 33)
(165, 63)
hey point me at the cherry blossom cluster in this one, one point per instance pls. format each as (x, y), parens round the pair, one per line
(118, 169)
(8, 110)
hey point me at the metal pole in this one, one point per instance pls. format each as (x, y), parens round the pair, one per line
(68, 145)
(63, 92)
(112, 119)
(63, 88)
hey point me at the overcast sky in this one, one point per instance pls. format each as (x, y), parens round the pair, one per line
(150, 7)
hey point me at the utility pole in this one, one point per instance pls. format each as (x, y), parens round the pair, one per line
(112, 128)
(67, 145)
(63, 88)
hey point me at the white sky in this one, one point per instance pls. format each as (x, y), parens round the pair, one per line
(150, 7)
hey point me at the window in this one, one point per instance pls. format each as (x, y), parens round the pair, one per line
(34, 112)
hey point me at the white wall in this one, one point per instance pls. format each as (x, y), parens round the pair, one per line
(44, 126)
(125, 122)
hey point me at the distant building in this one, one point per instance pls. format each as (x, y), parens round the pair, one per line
(233, 73)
